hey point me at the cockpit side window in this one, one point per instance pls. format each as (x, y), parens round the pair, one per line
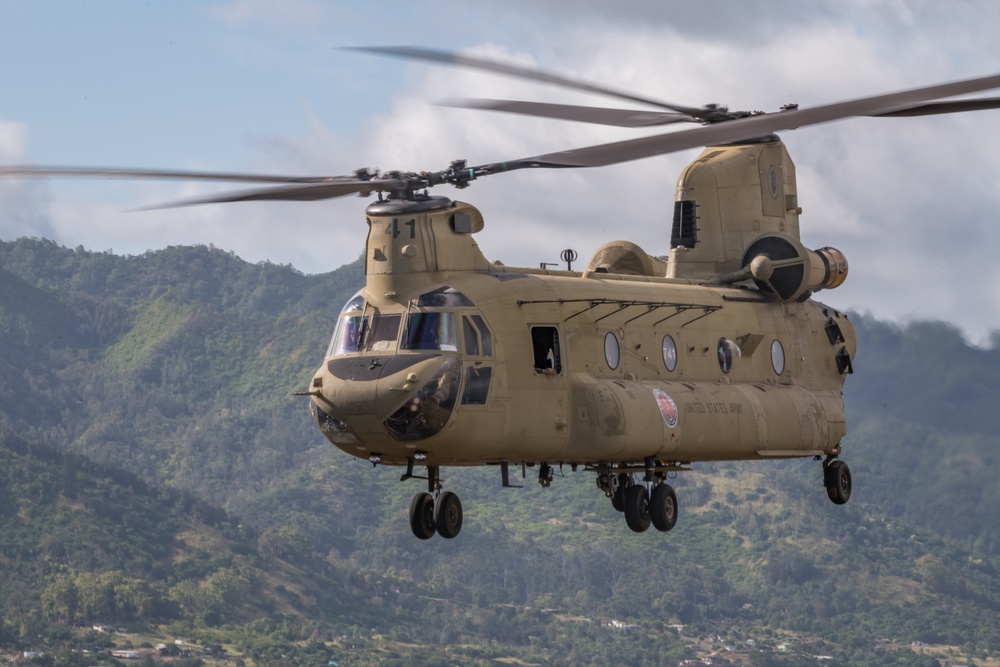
(484, 335)
(471, 339)
(349, 332)
(348, 336)
(477, 337)
(431, 331)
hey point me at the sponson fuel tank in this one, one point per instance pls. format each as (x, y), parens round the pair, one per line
(701, 420)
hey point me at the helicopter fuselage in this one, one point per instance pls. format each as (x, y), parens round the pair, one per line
(484, 364)
(631, 369)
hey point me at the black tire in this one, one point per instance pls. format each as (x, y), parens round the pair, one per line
(838, 482)
(448, 515)
(637, 508)
(663, 507)
(422, 516)
(618, 498)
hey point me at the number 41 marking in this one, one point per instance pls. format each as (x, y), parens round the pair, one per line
(394, 228)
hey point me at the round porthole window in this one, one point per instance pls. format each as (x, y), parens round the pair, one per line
(729, 352)
(611, 352)
(669, 353)
(777, 357)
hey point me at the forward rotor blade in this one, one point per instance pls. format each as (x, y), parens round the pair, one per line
(934, 108)
(29, 171)
(757, 126)
(596, 115)
(303, 192)
(519, 71)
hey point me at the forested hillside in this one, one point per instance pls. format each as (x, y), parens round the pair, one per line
(178, 365)
(922, 410)
(151, 442)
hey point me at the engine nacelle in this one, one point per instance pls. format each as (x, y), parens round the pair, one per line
(627, 258)
(779, 263)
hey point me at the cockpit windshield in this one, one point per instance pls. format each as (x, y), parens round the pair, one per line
(360, 328)
(431, 331)
(383, 333)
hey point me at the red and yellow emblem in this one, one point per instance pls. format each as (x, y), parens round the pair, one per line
(667, 407)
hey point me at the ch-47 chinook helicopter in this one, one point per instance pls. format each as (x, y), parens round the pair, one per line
(631, 369)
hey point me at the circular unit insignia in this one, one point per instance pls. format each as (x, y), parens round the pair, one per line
(667, 407)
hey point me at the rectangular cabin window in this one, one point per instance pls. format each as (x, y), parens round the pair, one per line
(383, 333)
(545, 345)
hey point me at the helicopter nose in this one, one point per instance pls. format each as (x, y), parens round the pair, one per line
(370, 386)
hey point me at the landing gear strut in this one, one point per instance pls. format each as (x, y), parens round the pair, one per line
(434, 511)
(545, 474)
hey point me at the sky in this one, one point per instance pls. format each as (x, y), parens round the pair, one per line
(262, 86)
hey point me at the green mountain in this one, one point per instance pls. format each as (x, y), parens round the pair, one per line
(923, 419)
(84, 543)
(175, 369)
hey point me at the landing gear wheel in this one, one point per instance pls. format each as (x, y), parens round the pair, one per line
(448, 515)
(618, 497)
(663, 507)
(422, 516)
(637, 508)
(837, 477)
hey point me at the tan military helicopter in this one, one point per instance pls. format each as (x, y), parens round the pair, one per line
(633, 368)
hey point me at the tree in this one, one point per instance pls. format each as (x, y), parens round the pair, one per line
(60, 601)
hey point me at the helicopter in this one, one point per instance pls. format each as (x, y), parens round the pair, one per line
(634, 368)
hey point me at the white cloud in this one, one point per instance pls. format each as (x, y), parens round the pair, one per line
(910, 201)
(22, 201)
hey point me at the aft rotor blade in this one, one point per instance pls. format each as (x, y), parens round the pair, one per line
(519, 71)
(756, 126)
(596, 115)
(30, 171)
(934, 108)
